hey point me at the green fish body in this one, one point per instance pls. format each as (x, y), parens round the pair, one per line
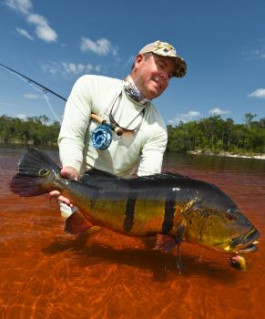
(163, 204)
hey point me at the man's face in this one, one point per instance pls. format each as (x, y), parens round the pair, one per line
(152, 73)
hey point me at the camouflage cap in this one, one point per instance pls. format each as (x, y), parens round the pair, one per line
(166, 49)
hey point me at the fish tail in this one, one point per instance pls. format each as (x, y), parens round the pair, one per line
(36, 174)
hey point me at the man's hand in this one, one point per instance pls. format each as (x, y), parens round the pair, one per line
(70, 173)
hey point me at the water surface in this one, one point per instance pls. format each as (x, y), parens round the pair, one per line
(45, 273)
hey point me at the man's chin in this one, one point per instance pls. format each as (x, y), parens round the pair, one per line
(153, 93)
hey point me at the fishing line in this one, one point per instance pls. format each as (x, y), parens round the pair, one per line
(31, 80)
(34, 85)
(44, 94)
(46, 98)
(101, 136)
(7, 172)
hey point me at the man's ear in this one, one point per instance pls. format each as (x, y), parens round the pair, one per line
(139, 59)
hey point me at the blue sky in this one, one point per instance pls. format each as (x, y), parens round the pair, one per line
(55, 42)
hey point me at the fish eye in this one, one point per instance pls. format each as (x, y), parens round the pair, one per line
(43, 172)
(229, 215)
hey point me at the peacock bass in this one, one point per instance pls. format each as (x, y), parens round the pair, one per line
(174, 205)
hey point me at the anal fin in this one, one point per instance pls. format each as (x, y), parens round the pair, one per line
(77, 224)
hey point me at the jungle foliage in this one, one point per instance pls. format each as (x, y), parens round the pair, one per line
(212, 134)
(34, 130)
(216, 135)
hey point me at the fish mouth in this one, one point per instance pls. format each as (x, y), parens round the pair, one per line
(245, 243)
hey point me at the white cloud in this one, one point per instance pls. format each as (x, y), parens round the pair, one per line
(31, 96)
(24, 33)
(186, 117)
(76, 68)
(98, 68)
(100, 47)
(71, 68)
(22, 6)
(52, 68)
(43, 30)
(129, 61)
(256, 53)
(218, 111)
(22, 116)
(259, 93)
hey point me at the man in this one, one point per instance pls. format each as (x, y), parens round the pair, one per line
(125, 105)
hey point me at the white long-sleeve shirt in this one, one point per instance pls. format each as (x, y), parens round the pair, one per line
(100, 95)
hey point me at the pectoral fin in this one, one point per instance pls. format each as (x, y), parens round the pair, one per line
(179, 238)
(165, 243)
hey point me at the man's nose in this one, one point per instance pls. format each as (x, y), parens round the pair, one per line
(164, 76)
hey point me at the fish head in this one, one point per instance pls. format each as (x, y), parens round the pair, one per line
(221, 227)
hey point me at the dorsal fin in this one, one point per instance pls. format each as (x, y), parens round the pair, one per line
(165, 175)
(90, 175)
(174, 175)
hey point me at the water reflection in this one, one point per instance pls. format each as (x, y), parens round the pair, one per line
(48, 274)
(215, 163)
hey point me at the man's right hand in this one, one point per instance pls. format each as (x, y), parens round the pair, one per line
(70, 173)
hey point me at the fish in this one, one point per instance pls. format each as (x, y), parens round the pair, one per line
(171, 206)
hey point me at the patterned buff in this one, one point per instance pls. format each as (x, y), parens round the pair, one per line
(133, 92)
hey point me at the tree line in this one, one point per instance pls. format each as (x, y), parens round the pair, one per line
(216, 135)
(212, 134)
(35, 130)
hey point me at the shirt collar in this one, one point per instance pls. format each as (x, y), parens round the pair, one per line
(133, 92)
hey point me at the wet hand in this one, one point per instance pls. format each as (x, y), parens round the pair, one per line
(61, 198)
(70, 173)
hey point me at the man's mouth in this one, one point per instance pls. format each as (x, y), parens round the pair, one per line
(158, 83)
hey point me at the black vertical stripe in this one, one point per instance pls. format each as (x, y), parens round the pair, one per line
(169, 214)
(129, 214)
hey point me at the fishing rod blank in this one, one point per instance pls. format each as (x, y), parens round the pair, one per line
(32, 81)
(101, 136)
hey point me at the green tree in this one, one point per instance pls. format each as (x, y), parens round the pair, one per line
(249, 118)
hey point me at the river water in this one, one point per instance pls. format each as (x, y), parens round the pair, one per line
(45, 273)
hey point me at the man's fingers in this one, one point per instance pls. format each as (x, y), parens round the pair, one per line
(61, 198)
(69, 172)
(55, 193)
(64, 200)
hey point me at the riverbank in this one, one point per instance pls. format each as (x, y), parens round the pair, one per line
(227, 154)
(208, 153)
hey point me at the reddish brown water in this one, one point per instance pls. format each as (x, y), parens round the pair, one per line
(47, 274)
